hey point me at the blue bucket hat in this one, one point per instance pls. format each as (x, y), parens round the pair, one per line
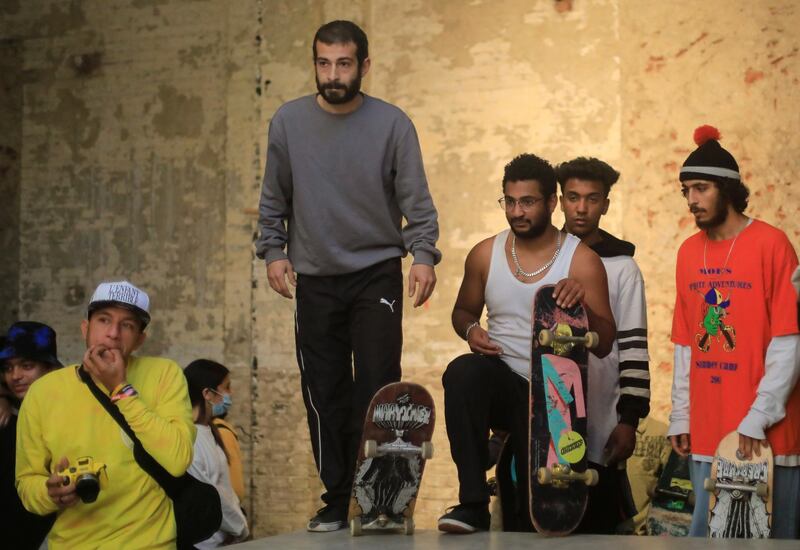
(30, 340)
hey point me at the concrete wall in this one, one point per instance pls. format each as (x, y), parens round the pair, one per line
(141, 140)
(10, 148)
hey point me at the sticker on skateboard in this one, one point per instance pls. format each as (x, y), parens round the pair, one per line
(395, 444)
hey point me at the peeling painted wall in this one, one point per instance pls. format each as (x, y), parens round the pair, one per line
(10, 153)
(142, 133)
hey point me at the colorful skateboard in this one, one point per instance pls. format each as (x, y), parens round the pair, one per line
(672, 501)
(740, 499)
(559, 478)
(394, 446)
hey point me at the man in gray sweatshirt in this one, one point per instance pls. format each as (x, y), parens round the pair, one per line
(343, 170)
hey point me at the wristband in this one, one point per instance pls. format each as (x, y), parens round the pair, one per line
(126, 391)
(469, 328)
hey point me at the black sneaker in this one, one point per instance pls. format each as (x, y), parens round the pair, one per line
(465, 518)
(328, 518)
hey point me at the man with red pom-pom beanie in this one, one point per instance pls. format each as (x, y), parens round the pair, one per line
(735, 330)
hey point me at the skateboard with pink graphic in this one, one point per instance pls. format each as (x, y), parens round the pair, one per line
(559, 478)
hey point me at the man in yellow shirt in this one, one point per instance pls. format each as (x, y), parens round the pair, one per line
(61, 422)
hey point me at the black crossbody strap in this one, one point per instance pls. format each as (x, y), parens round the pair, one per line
(149, 464)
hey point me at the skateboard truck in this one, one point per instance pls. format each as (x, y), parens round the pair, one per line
(737, 490)
(381, 522)
(673, 493)
(563, 335)
(398, 446)
(560, 476)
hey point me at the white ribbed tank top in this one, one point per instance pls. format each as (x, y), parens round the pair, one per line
(509, 301)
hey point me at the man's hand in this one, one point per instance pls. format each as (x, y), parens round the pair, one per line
(749, 446)
(277, 272)
(682, 444)
(6, 411)
(424, 276)
(62, 495)
(568, 292)
(478, 340)
(107, 366)
(620, 444)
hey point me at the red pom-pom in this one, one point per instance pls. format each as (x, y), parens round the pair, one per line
(704, 133)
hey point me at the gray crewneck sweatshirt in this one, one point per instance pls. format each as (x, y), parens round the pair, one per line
(343, 184)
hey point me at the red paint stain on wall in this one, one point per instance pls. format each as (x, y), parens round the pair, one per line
(655, 63)
(751, 75)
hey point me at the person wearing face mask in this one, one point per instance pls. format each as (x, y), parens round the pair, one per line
(209, 392)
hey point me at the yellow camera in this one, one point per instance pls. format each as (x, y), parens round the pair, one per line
(86, 475)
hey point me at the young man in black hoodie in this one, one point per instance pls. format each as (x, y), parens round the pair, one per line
(619, 384)
(27, 352)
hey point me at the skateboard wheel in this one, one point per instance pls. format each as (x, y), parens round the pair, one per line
(710, 484)
(591, 477)
(408, 526)
(546, 337)
(355, 527)
(426, 449)
(761, 490)
(592, 339)
(370, 448)
(544, 476)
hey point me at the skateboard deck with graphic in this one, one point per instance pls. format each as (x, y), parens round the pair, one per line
(672, 500)
(740, 492)
(395, 444)
(559, 478)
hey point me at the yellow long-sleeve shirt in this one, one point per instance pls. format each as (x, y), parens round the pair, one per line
(61, 417)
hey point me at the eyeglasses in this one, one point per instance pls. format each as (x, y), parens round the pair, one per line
(526, 203)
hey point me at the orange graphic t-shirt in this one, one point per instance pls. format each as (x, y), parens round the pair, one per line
(732, 299)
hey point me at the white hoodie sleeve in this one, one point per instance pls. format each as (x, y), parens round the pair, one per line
(679, 417)
(781, 369)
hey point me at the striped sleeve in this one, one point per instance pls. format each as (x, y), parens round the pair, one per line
(634, 360)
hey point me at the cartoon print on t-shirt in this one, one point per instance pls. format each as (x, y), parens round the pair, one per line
(713, 324)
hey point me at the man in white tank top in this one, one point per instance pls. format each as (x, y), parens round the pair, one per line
(488, 388)
(619, 384)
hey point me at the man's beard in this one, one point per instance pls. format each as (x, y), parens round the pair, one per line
(536, 229)
(350, 91)
(719, 216)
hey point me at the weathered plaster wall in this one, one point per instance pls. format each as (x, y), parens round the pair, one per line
(10, 148)
(142, 158)
(732, 64)
(139, 147)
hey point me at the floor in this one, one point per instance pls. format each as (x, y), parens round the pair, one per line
(495, 540)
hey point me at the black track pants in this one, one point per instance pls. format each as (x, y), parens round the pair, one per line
(482, 393)
(348, 336)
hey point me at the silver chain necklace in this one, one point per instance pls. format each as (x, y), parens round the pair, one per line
(728, 257)
(524, 273)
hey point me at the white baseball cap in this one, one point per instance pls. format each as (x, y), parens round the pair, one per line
(121, 294)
